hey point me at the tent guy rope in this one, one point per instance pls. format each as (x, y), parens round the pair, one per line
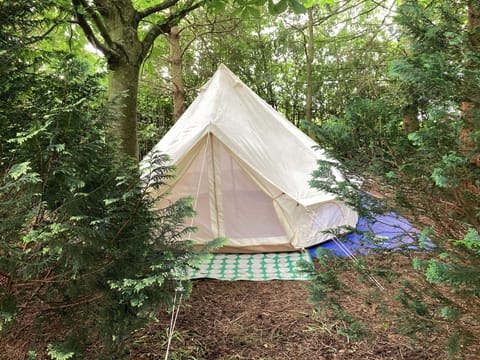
(179, 291)
(352, 256)
(202, 168)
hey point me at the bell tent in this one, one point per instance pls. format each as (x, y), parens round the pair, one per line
(248, 169)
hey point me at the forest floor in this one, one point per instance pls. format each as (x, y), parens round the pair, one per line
(270, 320)
(275, 320)
(263, 320)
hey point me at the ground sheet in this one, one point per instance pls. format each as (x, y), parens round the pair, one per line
(388, 231)
(255, 267)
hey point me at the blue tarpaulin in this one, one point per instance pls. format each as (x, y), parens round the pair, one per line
(388, 231)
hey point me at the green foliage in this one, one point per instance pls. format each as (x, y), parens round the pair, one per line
(347, 60)
(79, 237)
(430, 172)
(327, 292)
(337, 179)
(59, 352)
(277, 8)
(458, 267)
(471, 241)
(368, 132)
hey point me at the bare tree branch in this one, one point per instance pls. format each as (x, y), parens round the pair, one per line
(210, 25)
(98, 22)
(156, 8)
(44, 35)
(171, 20)
(89, 33)
(375, 34)
(342, 8)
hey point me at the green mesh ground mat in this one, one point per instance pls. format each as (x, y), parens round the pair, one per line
(255, 267)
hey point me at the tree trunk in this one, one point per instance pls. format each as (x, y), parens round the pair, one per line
(470, 104)
(112, 26)
(124, 72)
(309, 51)
(468, 192)
(178, 88)
(410, 119)
(122, 93)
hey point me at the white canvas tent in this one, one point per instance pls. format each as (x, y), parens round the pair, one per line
(248, 169)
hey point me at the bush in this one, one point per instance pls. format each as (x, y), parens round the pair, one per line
(80, 240)
(430, 175)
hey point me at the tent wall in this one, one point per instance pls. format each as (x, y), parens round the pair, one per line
(248, 169)
(228, 201)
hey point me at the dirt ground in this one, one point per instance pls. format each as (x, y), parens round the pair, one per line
(268, 320)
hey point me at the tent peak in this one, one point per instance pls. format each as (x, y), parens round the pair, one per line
(226, 76)
(223, 69)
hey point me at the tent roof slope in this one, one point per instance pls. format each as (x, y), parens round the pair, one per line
(252, 130)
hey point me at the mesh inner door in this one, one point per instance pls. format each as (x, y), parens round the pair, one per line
(247, 211)
(196, 180)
